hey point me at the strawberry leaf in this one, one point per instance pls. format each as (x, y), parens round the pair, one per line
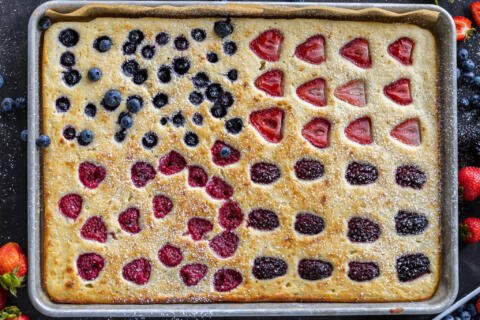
(10, 282)
(10, 312)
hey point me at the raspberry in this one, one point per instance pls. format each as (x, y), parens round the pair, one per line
(142, 173)
(363, 271)
(226, 280)
(410, 176)
(94, 229)
(412, 266)
(230, 215)
(172, 163)
(170, 255)
(197, 177)
(91, 175)
(70, 205)
(363, 230)
(308, 224)
(162, 205)
(198, 227)
(224, 158)
(308, 169)
(263, 219)
(312, 269)
(219, 189)
(361, 173)
(89, 265)
(137, 271)
(264, 173)
(224, 244)
(410, 223)
(268, 268)
(191, 274)
(128, 220)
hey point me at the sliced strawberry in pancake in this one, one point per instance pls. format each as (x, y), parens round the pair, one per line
(408, 132)
(271, 82)
(269, 123)
(352, 92)
(357, 52)
(360, 131)
(312, 50)
(313, 92)
(317, 132)
(402, 50)
(267, 45)
(399, 91)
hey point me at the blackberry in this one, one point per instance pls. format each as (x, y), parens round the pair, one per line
(190, 139)
(223, 28)
(212, 57)
(148, 52)
(181, 65)
(308, 224)
(200, 80)
(181, 43)
(90, 110)
(410, 176)
(68, 37)
(150, 140)
(263, 219)
(178, 119)
(234, 126)
(197, 119)
(62, 104)
(198, 34)
(412, 266)
(361, 173)
(162, 38)
(230, 48)
(67, 59)
(410, 223)
(136, 36)
(308, 169)
(363, 230)
(363, 271)
(264, 173)
(214, 91)
(164, 74)
(71, 77)
(265, 268)
(195, 98)
(313, 269)
(129, 48)
(69, 132)
(160, 100)
(130, 67)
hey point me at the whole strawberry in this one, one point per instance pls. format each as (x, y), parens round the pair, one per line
(469, 181)
(470, 230)
(13, 267)
(477, 305)
(12, 313)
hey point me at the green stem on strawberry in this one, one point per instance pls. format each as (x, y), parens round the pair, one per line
(10, 282)
(10, 312)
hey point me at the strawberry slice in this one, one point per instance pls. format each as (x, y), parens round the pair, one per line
(399, 91)
(317, 132)
(313, 92)
(267, 45)
(407, 132)
(360, 131)
(357, 52)
(352, 92)
(312, 50)
(271, 82)
(463, 27)
(269, 123)
(402, 50)
(475, 11)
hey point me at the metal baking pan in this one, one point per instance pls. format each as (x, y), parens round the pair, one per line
(460, 302)
(447, 290)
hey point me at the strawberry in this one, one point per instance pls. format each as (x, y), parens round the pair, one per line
(469, 181)
(271, 82)
(399, 91)
(352, 92)
(269, 123)
(402, 50)
(267, 45)
(475, 11)
(12, 313)
(360, 131)
(407, 132)
(13, 267)
(470, 230)
(3, 298)
(317, 132)
(312, 50)
(357, 52)
(313, 92)
(464, 28)
(477, 305)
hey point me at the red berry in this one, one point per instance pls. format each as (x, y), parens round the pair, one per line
(226, 280)
(191, 274)
(269, 123)
(222, 157)
(357, 52)
(224, 244)
(317, 132)
(70, 205)
(402, 49)
(11, 258)
(399, 91)
(360, 131)
(268, 44)
(142, 173)
(313, 92)
(230, 215)
(91, 175)
(463, 27)
(137, 271)
(89, 266)
(198, 227)
(128, 220)
(271, 82)
(312, 50)
(470, 230)
(407, 132)
(162, 205)
(172, 163)
(475, 11)
(94, 229)
(197, 177)
(469, 181)
(218, 189)
(170, 255)
(352, 92)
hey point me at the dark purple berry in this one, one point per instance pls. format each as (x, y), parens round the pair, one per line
(135, 36)
(120, 135)
(212, 57)
(195, 98)
(68, 37)
(232, 74)
(225, 99)
(149, 140)
(410, 176)
(308, 224)
(130, 67)
(181, 43)
(148, 52)
(412, 266)
(62, 104)
(313, 269)
(129, 48)
(363, 230)
(214, 91)
(197, 119)
(162, 38)
(163, 121)
(263, 219)
(90, 110)
(410, 223)
(102, 44)
(191, 139)
(71, 77)
(363, 271)
(230, 47)
(265, 268)
(361, 173)
(67, 59)
(200, 80)
(164, 74)
(198, 34)
(140, 76)
(69, 133)
(234, 126)
(308, 169)
(181, 65)
(223, 28)
(264, 173)
(44, 23)
(218, 111)
(178, 120)
(160, 100)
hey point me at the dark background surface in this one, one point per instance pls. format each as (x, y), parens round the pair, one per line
(14, 15)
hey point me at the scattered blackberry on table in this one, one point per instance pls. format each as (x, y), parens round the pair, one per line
(198, 34)
(212, 57)
(265, 268)
(214, 91)
(68, 37)
(71, 77)
(67, 59)
(181, 43)
(149, 140)
(94, 74)
(43, 141)
(24, 135)
(148, 52)
(162, 38)
(134, 104)
(234, 125)
(85, 137)
(129, 48)
(44, 23)
(191, 139)
(200, 80)
(181, 65)
(363, 271)
(313, 269)
(361, 173)
(69, 132)
(62, 104)
(160, 100)
(232, 74)
(8, 104)
(195, 98)
(164, 74)
(136, 36)
(308, 169)
(412, 266)
(218, 111)
(363, 230)
(130, 67)
(120, 135)
(178, 119)
(410, 176)
(103, 44)
(410, 223)
(264, 173)
(90, 110)
(223, 28)
(163, 121)
(230, 47)
(140, 76)
(126, 121)
(308, 224)
(197, 119)
(112, 99)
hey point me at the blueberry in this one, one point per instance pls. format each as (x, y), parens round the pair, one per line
(459, 73)
(212, 57)
(198, 34)
(225, 99)
(232, 74)
(136, 36)
(163, 121)
(181, 65)
(234, 126)
(67, 59)
(140, 76)
(85, 137)
(463, 102)
(90, 110)
(471, 309)
(468, 65)
(190, 139)
(223, 28)
(62, 104)
(449, 317)
(112, 99)
(225, 152)
(197, 119)
(164, 74)
(44, 23)
(148, 52)
(129, 48)
(24, 135)
(71, 77)
(130, 67)
(43, 141)
(68, 37)
(465, 315)
(468, 77)
(69, 132)
(463, 54)
(160, 100)
(102, 44)
(126, 122)
(2, 81)
(200, 80)
(195, 98)
(230, 47)
(178, 119)
(476, 81)
(20, 103)
(181, 43)
(94, 74)
(120, 135)
(475, 101)
(214, 91)
(134, 104)
(162, 38)
(218, 111)
(150, 140)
